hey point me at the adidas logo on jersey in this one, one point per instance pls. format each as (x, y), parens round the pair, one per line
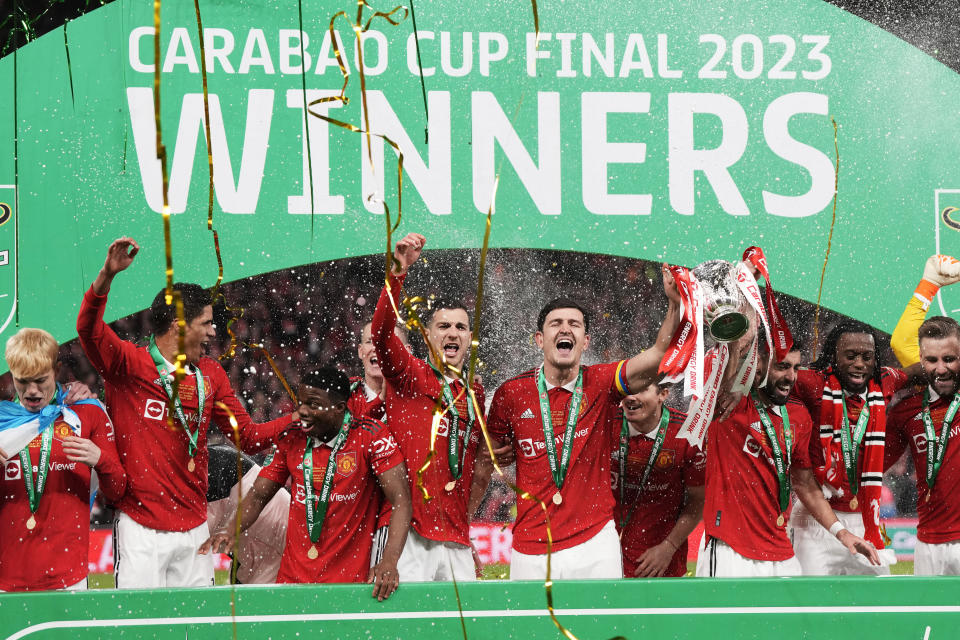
(527, 414)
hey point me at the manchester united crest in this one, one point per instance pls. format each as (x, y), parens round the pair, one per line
(346, 463)
(666, 458)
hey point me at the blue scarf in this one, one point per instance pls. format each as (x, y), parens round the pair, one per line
(13, 414)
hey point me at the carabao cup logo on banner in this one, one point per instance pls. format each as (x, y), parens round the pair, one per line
(946, 228)
(8, 263)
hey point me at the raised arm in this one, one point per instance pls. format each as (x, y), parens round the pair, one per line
(939, 271)
(391, 352)
(222, 540)
(642, 369)
(105, 350)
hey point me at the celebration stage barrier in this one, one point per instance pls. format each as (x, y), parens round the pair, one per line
(782, 608)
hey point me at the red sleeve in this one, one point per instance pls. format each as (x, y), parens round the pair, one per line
(891, 381)
(498, 420)
(802, 426)
(809, 389)
(896, 440)
(277, 470)
(382, 451)
(110, 473)
(694, 467)
(104, 348)
(254, 437)
(392, 355)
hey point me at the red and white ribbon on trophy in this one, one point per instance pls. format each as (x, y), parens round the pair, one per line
(685, 357)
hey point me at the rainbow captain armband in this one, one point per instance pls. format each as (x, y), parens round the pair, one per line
(620, 380)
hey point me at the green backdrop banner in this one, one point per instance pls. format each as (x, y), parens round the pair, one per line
(785, 608)
(679, 132)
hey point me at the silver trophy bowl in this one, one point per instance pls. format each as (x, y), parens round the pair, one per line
(723, 305)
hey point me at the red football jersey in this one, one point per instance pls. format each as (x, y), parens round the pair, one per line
(742, 503)
(587, 498)
(809, 391)
(940, 516)
(364, 402)
(412, 394)
(653, 512)
(53, 555)
(346, 537)
(162, 493)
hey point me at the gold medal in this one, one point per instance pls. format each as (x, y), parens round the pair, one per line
(854, 503)
(191, 465)
(557, 498)
(450, 486)
(313, 553)
(31, 522)
(780, 520)
(927, 499)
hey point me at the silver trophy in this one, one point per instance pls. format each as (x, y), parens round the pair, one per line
(724, 307)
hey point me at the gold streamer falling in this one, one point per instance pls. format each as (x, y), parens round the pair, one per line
(172, 297)
(474, 347)
(413, 320)
(833, 221)
(235, 427)
(215, 295)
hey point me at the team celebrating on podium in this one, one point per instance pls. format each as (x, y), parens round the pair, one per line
(376, 479)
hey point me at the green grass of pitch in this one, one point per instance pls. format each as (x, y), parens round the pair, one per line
(490, 572)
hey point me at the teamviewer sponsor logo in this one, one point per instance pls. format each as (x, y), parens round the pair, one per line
(11, 470)
(920, 442)
(154, 409)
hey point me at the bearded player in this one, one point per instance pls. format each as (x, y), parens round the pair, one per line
(438, 547)
(921, 422)
(335, 462)
(45, 488)
(847, 394)
(658, 486)
(561, 419)
(925, 422)
(163, 516)
(754, 458)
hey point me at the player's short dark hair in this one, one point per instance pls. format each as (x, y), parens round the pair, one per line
(828, 356)
(333, 381)
(426, 315)
(195, 298)
(938, 327)
(562, 303)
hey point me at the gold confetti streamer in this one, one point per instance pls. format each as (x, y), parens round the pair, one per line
(833, 221)
(235, 427)
(171, 297)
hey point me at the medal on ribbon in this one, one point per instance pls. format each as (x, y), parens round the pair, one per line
(316, 506)
(453, 436)
(558, 468)
(781, 462)
(850, 440)
(192, 436)
(654, 453)
(35, 491)
(937, 445)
